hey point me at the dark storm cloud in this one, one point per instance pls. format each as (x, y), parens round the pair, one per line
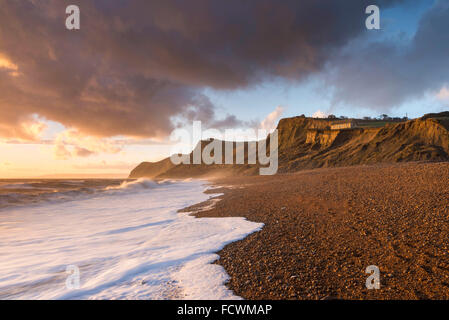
(383, 75)
(135, 65)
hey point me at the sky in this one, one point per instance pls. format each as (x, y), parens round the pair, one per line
(97, 101)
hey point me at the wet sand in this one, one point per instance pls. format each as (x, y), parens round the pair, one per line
(323, 227)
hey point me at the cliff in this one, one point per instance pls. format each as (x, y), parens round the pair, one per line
(306, 143)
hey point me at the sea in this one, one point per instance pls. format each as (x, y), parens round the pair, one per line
(111, 239)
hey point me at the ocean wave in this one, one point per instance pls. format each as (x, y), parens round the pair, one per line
(17, 186)
(45, 191)
(19, 193)
(125, 245)
(134, 184)
(142, 184)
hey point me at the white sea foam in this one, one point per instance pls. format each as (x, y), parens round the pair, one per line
(127, 245)
(135, 184)
(17, 186)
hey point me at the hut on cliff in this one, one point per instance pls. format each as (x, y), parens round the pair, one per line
(343, 124)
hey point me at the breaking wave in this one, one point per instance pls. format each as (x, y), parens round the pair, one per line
(135, 185)
(127, 242)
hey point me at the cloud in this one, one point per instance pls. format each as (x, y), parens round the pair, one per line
(269, 123)
(82, 152)
(7, 64)
(118, 165)
(443, 94)
(61, 152)
(319, 114)
(71, 143)
(134, 66)
(386, 74)
(10, 67)
(28, 129)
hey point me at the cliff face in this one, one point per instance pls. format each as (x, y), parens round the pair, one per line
(151, 169)
(415, 140)
(293, 131)
(306, 143)
(322, 138)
